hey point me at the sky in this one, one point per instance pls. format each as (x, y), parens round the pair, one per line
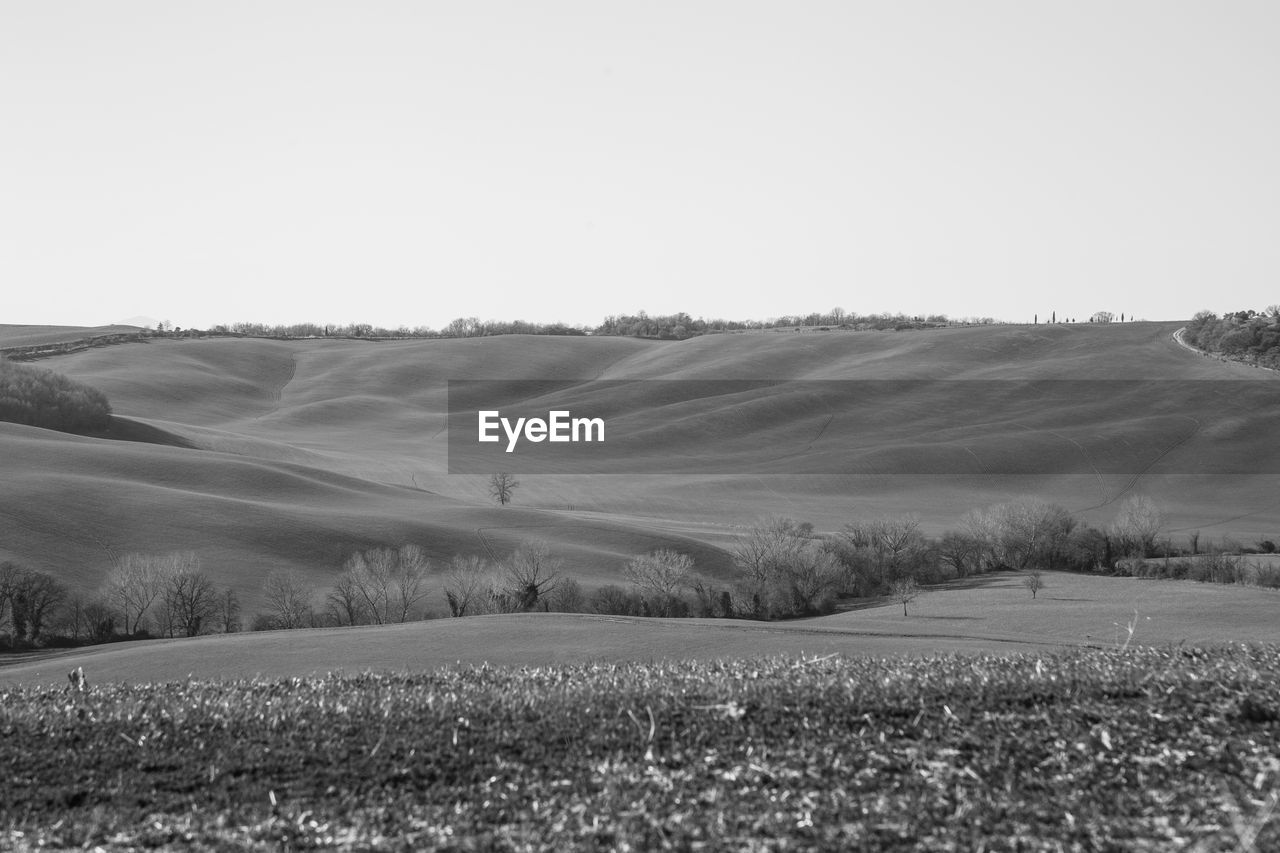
(406, 163)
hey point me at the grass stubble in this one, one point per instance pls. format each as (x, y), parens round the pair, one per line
(1086, 749)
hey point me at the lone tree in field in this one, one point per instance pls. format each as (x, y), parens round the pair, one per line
(502, 486)
(905, 590)
(1034, 581)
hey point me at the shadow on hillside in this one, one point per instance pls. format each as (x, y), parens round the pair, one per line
(127, 429)
(998, 580)
(995, 579)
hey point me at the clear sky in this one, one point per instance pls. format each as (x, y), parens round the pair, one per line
(411, 162)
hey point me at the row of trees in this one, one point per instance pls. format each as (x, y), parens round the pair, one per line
(680, 325)
(28, 602)
(1248, 335)
(382, 586)
(677, 326)
(37, 397)
(142, 596)
(783, 569)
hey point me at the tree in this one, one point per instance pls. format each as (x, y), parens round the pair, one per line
(412, 566)
(531, 574)
(372, 574)
(383, 584)
(502, 486)
(190, 599)
(961, 551)
(9, 574)
(466, 583)
(344, 601)
(890, 547)
(904, 590)
(1138, 523)
(228, 615)
(133, 585)
(568, 597)
(33, 599)
(100, 621)
(1102, 317)
(1034, 581)
(1020, 534)
(663, 573)
(785, 570)
(288, 599)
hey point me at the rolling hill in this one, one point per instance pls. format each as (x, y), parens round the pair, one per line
(261, 454)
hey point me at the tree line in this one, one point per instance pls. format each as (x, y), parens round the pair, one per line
(677, 326)
(783, 569)
(142, 596)
(1251, 336)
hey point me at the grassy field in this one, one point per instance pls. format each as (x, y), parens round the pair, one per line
(1076, 750)
(981, 615)
(294, 454)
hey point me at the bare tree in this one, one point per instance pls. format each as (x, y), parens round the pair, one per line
(33, 599)
(100, 620)
(962, 551)
(465, 584)
(9, 574)
(1034, 581)
(384, 584)
(345, 602)
(785, 570)
(190, 598)
(663, 572)
(133, 587)
(1020, 534)
(502, 487)
(228, 615)
(531, 574)
(904, 590)
(892, 546)
(1137, 525)
(410, 580)
(814, 576)
(372, 572)
(568, 597)
(288, 599)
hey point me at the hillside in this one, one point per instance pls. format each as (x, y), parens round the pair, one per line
(267, 453)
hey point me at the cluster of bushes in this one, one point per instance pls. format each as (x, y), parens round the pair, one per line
(1249, 335)
(1215, 566)
(41, 398)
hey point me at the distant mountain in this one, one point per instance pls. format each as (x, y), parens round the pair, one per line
(140, 320)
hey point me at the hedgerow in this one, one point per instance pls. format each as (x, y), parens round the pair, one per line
(1080, 750)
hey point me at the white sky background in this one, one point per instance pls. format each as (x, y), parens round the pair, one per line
(411, 162)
